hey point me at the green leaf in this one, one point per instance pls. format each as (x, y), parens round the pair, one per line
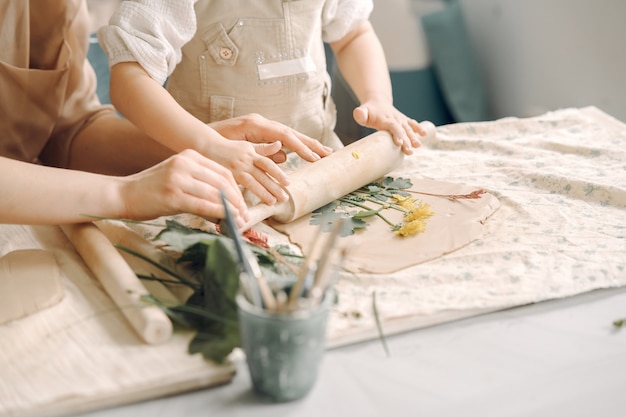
(173, 225)
(325, 219)
(382, 196)
(221, 278)
(213, 346)
(181, 241)
(366, 213)
(328, 208)
(356, 223)
(356, 198)
(397, 183)
(195, 256)
(373, 188)
(352, 224)
(188, 315)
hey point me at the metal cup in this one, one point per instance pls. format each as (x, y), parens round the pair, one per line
(283, 350)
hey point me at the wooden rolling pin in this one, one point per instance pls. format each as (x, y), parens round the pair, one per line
(334, 176)
(119, 281)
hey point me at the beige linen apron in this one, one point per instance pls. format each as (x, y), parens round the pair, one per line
(47, 87)
(266, 57)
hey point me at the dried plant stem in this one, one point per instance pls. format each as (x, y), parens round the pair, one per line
(282, 259)
(364, 207)
(168, 271)
(384, 204)
(379, 326)
(473, 195)
(152, 277)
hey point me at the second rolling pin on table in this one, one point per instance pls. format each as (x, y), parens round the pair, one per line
(119, 281)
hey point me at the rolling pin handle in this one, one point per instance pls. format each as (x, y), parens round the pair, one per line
(261, 211)
(431, 131)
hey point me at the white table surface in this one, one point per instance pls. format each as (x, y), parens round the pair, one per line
(556, 358)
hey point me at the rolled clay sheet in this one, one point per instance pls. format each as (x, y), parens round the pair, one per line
(119, 281)
(378, 250)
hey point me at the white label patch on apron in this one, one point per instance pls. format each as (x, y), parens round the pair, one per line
(286, 68)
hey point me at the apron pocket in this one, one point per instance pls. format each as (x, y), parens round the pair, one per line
(220, 47)
(221, 108)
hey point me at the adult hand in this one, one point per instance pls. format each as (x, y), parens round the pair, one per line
(184, 183)
(259, 130)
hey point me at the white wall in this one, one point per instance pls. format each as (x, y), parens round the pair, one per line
(397, 25)
(540, 55)
(535, 55)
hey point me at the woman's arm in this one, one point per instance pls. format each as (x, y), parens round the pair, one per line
(184, 183)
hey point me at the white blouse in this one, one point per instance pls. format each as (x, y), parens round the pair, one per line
(153, 32)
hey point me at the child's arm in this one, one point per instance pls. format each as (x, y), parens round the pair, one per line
(362, 62)
(153, 110)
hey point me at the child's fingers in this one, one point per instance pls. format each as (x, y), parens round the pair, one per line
(268, 167)
(416, 127)
(267, 149)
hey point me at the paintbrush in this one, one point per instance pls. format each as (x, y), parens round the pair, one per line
(314, 273)
(254, 285)
(306, 272)
(325, 267)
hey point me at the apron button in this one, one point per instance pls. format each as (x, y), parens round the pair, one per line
(226, 53)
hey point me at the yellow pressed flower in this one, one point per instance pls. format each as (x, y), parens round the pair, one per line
(419, 212)
(406, 202)
(400, 198)
(411, 228)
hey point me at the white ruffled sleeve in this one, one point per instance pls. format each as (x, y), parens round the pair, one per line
(341, 16)
(150, 32)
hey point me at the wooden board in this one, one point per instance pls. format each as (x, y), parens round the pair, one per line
(82, 353)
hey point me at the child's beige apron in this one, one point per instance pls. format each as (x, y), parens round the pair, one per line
(47, 88)
(266, 57)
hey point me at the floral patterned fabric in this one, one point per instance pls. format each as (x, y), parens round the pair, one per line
(560, 230)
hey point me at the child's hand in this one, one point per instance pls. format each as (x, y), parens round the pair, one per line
(252, 168)
(257, 129)
(381, 115)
